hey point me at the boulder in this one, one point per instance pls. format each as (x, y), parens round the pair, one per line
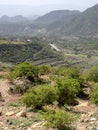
(11, 113)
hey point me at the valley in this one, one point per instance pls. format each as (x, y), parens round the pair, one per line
(49, 71)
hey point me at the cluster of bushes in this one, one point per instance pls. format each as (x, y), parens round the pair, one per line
(65, 86)
(62, 90)
(65, 89)
(69, 81)
(29, 73)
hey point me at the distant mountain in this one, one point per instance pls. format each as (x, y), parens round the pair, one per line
(15, 19)
(71, 22)
(57, 23)
(56, 15)
(86, 23)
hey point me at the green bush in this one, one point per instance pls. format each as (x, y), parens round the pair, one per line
(94, 95)
(59, 119)
(26, 69)
(40, 96)
(43, 69)
(69, 72)
(92, 74)
(68, 90)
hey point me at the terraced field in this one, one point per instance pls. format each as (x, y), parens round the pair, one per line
(41, 51)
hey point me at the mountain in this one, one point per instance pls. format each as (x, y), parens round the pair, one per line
(15, 19)
(71, 22)
(86, 23)
(56, 15)
(54, 23)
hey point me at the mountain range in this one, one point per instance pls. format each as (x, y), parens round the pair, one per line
(57, 23)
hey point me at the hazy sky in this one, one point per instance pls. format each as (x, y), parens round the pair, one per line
(40, 7)
(68, 4)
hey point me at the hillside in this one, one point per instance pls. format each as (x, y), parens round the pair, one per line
(69, 51)
(25, 103)
(55, 23)
(56, 16)
(17, 19)
(86, 23)
(36, 50)
(71, 22)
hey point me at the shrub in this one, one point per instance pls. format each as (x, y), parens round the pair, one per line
(68, 90)
(94, 94)
(92, 74)
(59, 119)
(26, 69)
(43, 69)
(69, 72)
(40, 96)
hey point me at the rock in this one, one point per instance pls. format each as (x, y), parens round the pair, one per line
(81, 128)
(21, 114)
(83, 104)
(21, 125)
(90, 114)
(86, 120)
(1, 124)
(82, 108)
(83, 116)
(29, 129)
(11, 113)
(39, 124)
(92, 119)
(4, 128)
